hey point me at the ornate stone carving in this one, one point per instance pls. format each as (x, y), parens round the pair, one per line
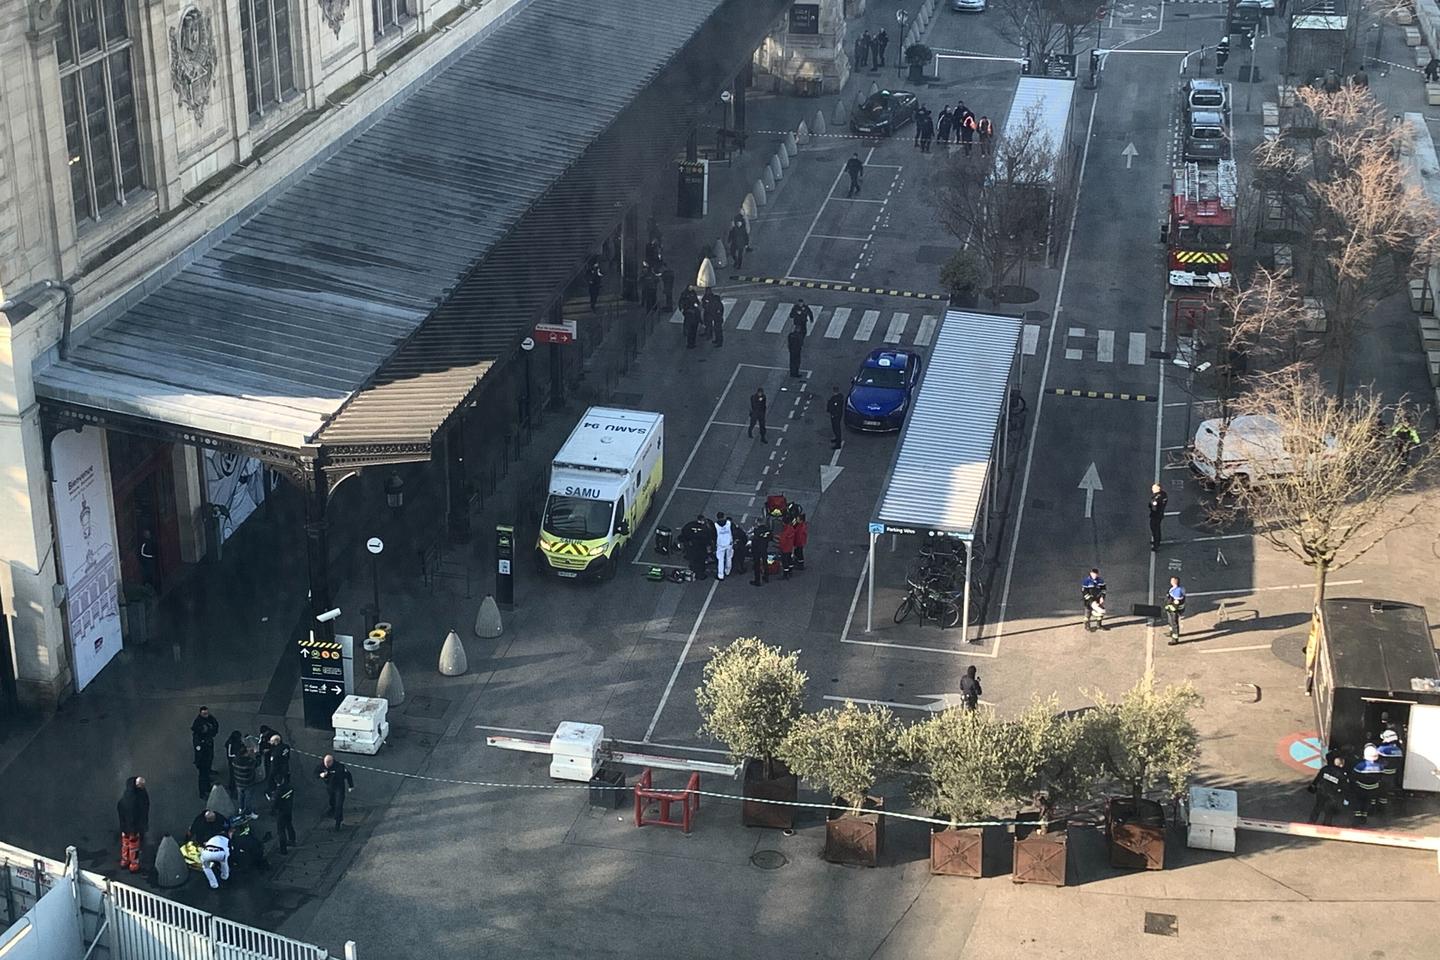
(334, 13)
(193, 60)
(44, 21)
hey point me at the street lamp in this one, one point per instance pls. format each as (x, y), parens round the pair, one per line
(376, 546)
(395, 491)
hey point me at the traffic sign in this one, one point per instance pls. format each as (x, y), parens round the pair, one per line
(563, 332)
(322, 680)
(375, 545)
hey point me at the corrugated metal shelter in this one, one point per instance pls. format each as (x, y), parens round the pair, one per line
(1050, 99)
(348, 316)
(944, 467)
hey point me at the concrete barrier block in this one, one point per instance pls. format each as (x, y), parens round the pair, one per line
(747, 209)
(220, 802)
(1422, 56)
(817, 125)
(758, 192)
(783, 155)
(1412, 36)
(170, 868)
(768, 178)
(841, 114)
(1432, 94)
(487, 619)
(390, 687)
(802, 134)
(777, 169)
(717, 253)
(453, 662)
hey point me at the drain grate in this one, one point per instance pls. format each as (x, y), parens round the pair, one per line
(1162, 924)
(769, 859)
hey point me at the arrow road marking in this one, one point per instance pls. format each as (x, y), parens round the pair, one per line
(1129, 153)
(829, 471)
(1090, 483)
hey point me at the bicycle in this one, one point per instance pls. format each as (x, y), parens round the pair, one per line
(938, 561)
(929, 604)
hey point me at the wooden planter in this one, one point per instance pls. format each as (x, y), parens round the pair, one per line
(1137, 834)
(1040, 857)
(783, 786)
(855, 838)
(957, 851)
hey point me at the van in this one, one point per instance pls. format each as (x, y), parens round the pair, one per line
(1206, 136)
(1249, 449)
(1205, 94)
(602, 482)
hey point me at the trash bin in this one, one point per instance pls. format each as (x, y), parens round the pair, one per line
(664, 539)
(377, 650)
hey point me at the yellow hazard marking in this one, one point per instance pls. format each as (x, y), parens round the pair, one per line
(842, 287)
(1200, 256)
(1101, 395)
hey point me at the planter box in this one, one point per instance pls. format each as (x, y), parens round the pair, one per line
(855, 838)
(784, 786)
(1137, 834)
(1040, 857)
(957, 851)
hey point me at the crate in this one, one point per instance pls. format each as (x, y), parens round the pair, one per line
(1432, 94)
(1412, 36)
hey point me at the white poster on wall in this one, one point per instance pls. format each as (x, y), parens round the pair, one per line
(85, 523)
(236, 484)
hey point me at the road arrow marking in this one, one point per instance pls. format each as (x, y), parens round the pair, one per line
(1090, 483)
(1129, 153)
(829, 471)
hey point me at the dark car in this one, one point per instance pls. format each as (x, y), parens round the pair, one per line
(882, 113)
(880, 392)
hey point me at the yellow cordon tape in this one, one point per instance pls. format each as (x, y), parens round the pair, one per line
(702, 793)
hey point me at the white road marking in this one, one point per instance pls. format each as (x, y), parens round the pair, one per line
(723, 493)
(827, 236)
(1255, 646)
(867, 324)
(728, 304)
(926, 333)
(778, 318)
(752, 313)
(829, 196)
(684, 653)
(1137, 349)
(897, 327)
(677, 317)
(1075, 332)
(1030, 340)
(1246, 591)
(1105, 346)
(838, 319)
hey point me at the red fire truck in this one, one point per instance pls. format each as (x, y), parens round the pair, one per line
(1202, 224)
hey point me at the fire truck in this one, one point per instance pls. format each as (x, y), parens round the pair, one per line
(1202, 223)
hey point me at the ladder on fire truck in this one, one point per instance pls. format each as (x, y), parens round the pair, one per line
(1223, 185)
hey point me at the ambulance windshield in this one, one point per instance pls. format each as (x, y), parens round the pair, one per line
(576, 519)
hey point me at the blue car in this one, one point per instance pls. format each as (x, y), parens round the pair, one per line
(880, 392)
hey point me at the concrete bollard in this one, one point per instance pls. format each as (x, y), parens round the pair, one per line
(487, 619)
(390, 687)
(841, 113)
(747, 209)
(170, 868)
(792, 146)
(758, 193)
(817, 126)
(802, 134)
(785, 160)
(453, 662)
(220, 802)
(717, 253)
(768, 179)
(777, 167)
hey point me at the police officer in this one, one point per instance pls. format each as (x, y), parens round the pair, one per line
(862, 51)
(1159, 500)
(1174, 607)
(1092, 594)
(203, 731)
(738, 239)
(696, 539)
(690, 311)
(713, 311)
(338, 782)
(795, 340)
(835, 407)
(970, 691)
(1331, 787)
(284, 810)
(757, 414)
(986, 129)
(1222, 53)
(882, 41)
(855, 168)
(1365, 781)
(1392, 761)
(946, 118)
(801, 317)
(279, 769)
(594, 276)
(760, 553)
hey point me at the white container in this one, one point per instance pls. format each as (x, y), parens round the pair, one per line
(1214, 815)
(1201, 837)
(367, 742)
(575, 751)
(361, 714)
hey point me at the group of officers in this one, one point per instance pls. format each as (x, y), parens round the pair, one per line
(1369, 785)
(961, 120)
(725, 542)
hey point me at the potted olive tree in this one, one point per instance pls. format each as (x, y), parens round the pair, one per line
(961, 276)
(847, 751)
(1056, 766)
(1149, 745)
(963, 768)
(918, 55)
(750, 696)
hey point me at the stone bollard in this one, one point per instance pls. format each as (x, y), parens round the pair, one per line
(452, 656)
(792, 145)
(776, 167)
(785, 160)
(220, 802)
(817, 126)
(747, 209)
(390, 687)
(758, 194)
(170, 868)
(768, 178)
(487, 619)
(717, 253)
(841, 114)
(802, 133)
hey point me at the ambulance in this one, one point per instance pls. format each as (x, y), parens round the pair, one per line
(602, 482)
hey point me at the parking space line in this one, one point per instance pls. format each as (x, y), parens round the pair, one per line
(1223, 536)
(926, 333)
(1030, 339)
(855, 200)
(680, 663)
(838, 318)
(724, 493)
(736, 423)
(867, 324)
(1105, 346)
(1256, 646)
(1137, 349)
(727, 304)
(897, 327)
(1246, 591)
(778, 318)
(828, 236)
(908, 646)
(829, 195)
(752, 313)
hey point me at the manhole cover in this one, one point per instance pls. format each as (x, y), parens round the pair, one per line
(1164, 924)
(768, 859)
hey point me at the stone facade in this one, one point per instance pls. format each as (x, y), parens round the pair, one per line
(199, 145)
(797, 59)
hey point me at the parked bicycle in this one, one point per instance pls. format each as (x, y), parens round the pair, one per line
(929, 603)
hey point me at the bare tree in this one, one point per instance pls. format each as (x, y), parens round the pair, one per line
(1003, 214)
(1339, 485)
(1043, 27)
(1367, 226)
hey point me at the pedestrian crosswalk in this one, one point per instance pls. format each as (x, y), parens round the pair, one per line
(904, 328)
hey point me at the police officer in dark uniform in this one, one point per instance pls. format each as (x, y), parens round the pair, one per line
(795, 340)
(284, 810)
(690, 310)
(760, 553)
(835, 407)
(1366, 783)
(1331, 787)
(594, 277)
(1159, 500)
(695, 540)
(713, 316)
(203, 731)
(801, 317)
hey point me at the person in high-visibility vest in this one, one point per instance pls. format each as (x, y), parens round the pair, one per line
(1366, 782)
(987, 136)
(967, 131)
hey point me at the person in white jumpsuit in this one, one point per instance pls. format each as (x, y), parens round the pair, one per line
(216, 850)
(724, 546)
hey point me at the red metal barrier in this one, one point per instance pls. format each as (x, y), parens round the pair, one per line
(688, 798)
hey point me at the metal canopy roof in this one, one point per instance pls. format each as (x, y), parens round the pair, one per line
(373, 292)
(1050, 98)
(937, 482)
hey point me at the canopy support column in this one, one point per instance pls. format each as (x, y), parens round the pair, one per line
(965, 603)
(870, 604)
(317, 549)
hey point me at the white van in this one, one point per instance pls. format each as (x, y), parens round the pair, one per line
(1248, 449)
(602, 482)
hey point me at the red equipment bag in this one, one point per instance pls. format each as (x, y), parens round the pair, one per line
(776, 504)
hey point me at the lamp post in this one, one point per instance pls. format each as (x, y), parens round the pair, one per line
(376, 546)
(527, 346)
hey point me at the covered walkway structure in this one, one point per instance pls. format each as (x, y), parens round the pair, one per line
(349, 318)
(946, 465)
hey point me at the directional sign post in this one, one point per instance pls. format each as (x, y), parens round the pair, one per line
(322, 681)
(1090, 483)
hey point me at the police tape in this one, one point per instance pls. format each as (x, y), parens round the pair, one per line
(713, 794)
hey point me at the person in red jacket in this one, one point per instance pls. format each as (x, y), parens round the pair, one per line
(787, 549)
(801, 526)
